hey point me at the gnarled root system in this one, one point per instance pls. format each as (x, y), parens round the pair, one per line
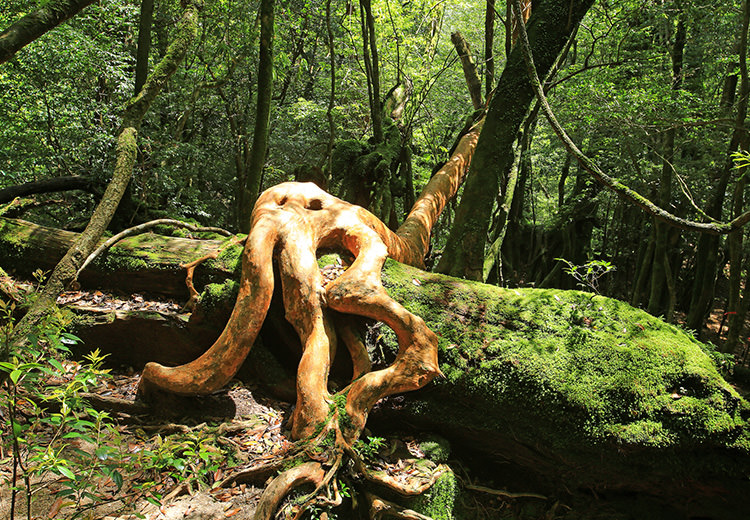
(291, 222)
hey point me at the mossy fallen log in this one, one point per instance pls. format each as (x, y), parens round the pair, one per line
(583, 391)
(150, 262)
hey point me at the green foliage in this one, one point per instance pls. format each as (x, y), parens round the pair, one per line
(50, 430)
(588, 274)
(368, 449)
(53, 435)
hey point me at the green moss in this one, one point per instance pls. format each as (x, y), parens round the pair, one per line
(436, 448)
(565, 369)
(440, 500)
(219, 294)
(339, 402)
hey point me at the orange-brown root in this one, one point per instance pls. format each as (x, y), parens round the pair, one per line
(291, 222)
(307, 473)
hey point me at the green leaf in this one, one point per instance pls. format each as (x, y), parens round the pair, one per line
(72, 339)
(117, 478)
(153, 501)
(65, 472)
(15, 375)
(55, 363)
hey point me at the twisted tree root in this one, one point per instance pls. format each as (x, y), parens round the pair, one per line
(290, 223)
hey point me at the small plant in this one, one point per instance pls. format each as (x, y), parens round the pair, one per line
(588, 275)
(369, 449)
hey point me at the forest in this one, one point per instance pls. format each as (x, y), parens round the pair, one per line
(371, 259)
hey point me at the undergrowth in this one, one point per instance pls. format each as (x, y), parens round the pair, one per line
(55, 443)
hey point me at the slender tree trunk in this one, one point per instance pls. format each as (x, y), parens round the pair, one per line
(550, 26)
(370, 52)
(126, 152)
(737, 321)
(735, 240)
(144, 43)
(332, 95)
(35, 24)
(489, 40)
(661, 273)
(254, 173)
(643, 271)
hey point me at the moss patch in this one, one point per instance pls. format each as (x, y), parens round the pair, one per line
(440, 500)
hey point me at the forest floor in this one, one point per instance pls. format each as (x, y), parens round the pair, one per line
(193, 466)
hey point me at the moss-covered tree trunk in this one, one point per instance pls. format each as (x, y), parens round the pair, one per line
(583, 392)
(36, 23)
(549, 27)
(126, 152)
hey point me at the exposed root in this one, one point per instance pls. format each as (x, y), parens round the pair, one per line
(190, 268)
(382, 479)
(291, 222)
(503, 493)
(307, 473)
(380, 508)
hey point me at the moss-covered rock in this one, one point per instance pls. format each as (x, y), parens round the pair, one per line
(583, 388)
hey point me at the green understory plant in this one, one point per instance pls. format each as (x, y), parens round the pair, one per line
(588, 275)
(55, 440)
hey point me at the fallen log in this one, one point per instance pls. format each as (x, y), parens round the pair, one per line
(146, 263)
(581, 391)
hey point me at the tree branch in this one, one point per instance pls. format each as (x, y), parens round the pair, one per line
(55, 184)
(35, 24)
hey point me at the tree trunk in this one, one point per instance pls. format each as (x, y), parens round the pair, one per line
(706, 255)
(660, 270)
(250, 190)
(332, 94)
(372, 68)
(549, 28)
(144, 44)
(35, 24)
(469, 68)
(489, 39)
